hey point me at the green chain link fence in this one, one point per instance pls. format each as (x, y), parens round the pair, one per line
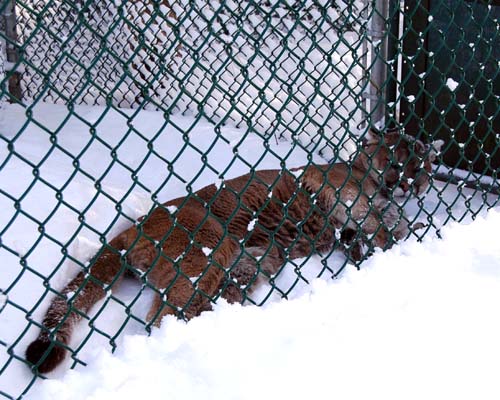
(314, 74)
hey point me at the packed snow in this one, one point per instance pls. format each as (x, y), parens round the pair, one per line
(416, 321)
(419, 321)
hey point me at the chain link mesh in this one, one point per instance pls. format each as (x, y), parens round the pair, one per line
(302, 72)
(230, 60)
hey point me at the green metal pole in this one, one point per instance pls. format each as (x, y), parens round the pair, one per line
(379, 63)
(393, 59)
(9, 22)
(2, 85)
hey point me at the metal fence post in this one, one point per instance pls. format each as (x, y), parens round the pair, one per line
(2, 86)
(365, 96)
(393, 62)
(379, 63)
(9, 22)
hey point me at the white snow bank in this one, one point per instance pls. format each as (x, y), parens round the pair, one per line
(417, 322)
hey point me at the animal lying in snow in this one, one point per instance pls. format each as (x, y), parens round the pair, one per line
(225, 240)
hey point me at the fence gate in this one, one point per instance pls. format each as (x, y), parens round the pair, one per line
(455, 79)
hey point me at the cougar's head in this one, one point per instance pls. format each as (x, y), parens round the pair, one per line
(400, 162)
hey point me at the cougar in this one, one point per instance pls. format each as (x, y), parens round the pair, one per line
(224, 240)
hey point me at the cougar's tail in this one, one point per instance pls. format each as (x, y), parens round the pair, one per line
(76, 299)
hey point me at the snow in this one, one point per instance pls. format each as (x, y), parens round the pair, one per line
(288, 80)
(419, 321)
(452, 84)
(251, 224)
(419, 316)
(172, 209)
(470, 176)
(219, 183)
(3, 301)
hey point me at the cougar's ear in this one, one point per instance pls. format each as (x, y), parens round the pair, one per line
(435, 149)
(371, 137)
(392, 131)
(389, 132)
(374, 136)
(393, 136)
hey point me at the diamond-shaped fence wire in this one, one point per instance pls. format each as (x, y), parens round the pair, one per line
(108, 109)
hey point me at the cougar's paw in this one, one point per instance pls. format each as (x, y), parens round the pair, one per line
(418, 225)
(355, 252)
(353, 248)
(232, 294)
(40, 350)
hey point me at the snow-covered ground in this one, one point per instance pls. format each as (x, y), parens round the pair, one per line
(296, 70)
(415, 322)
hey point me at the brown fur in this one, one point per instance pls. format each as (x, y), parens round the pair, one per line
(225, 241)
